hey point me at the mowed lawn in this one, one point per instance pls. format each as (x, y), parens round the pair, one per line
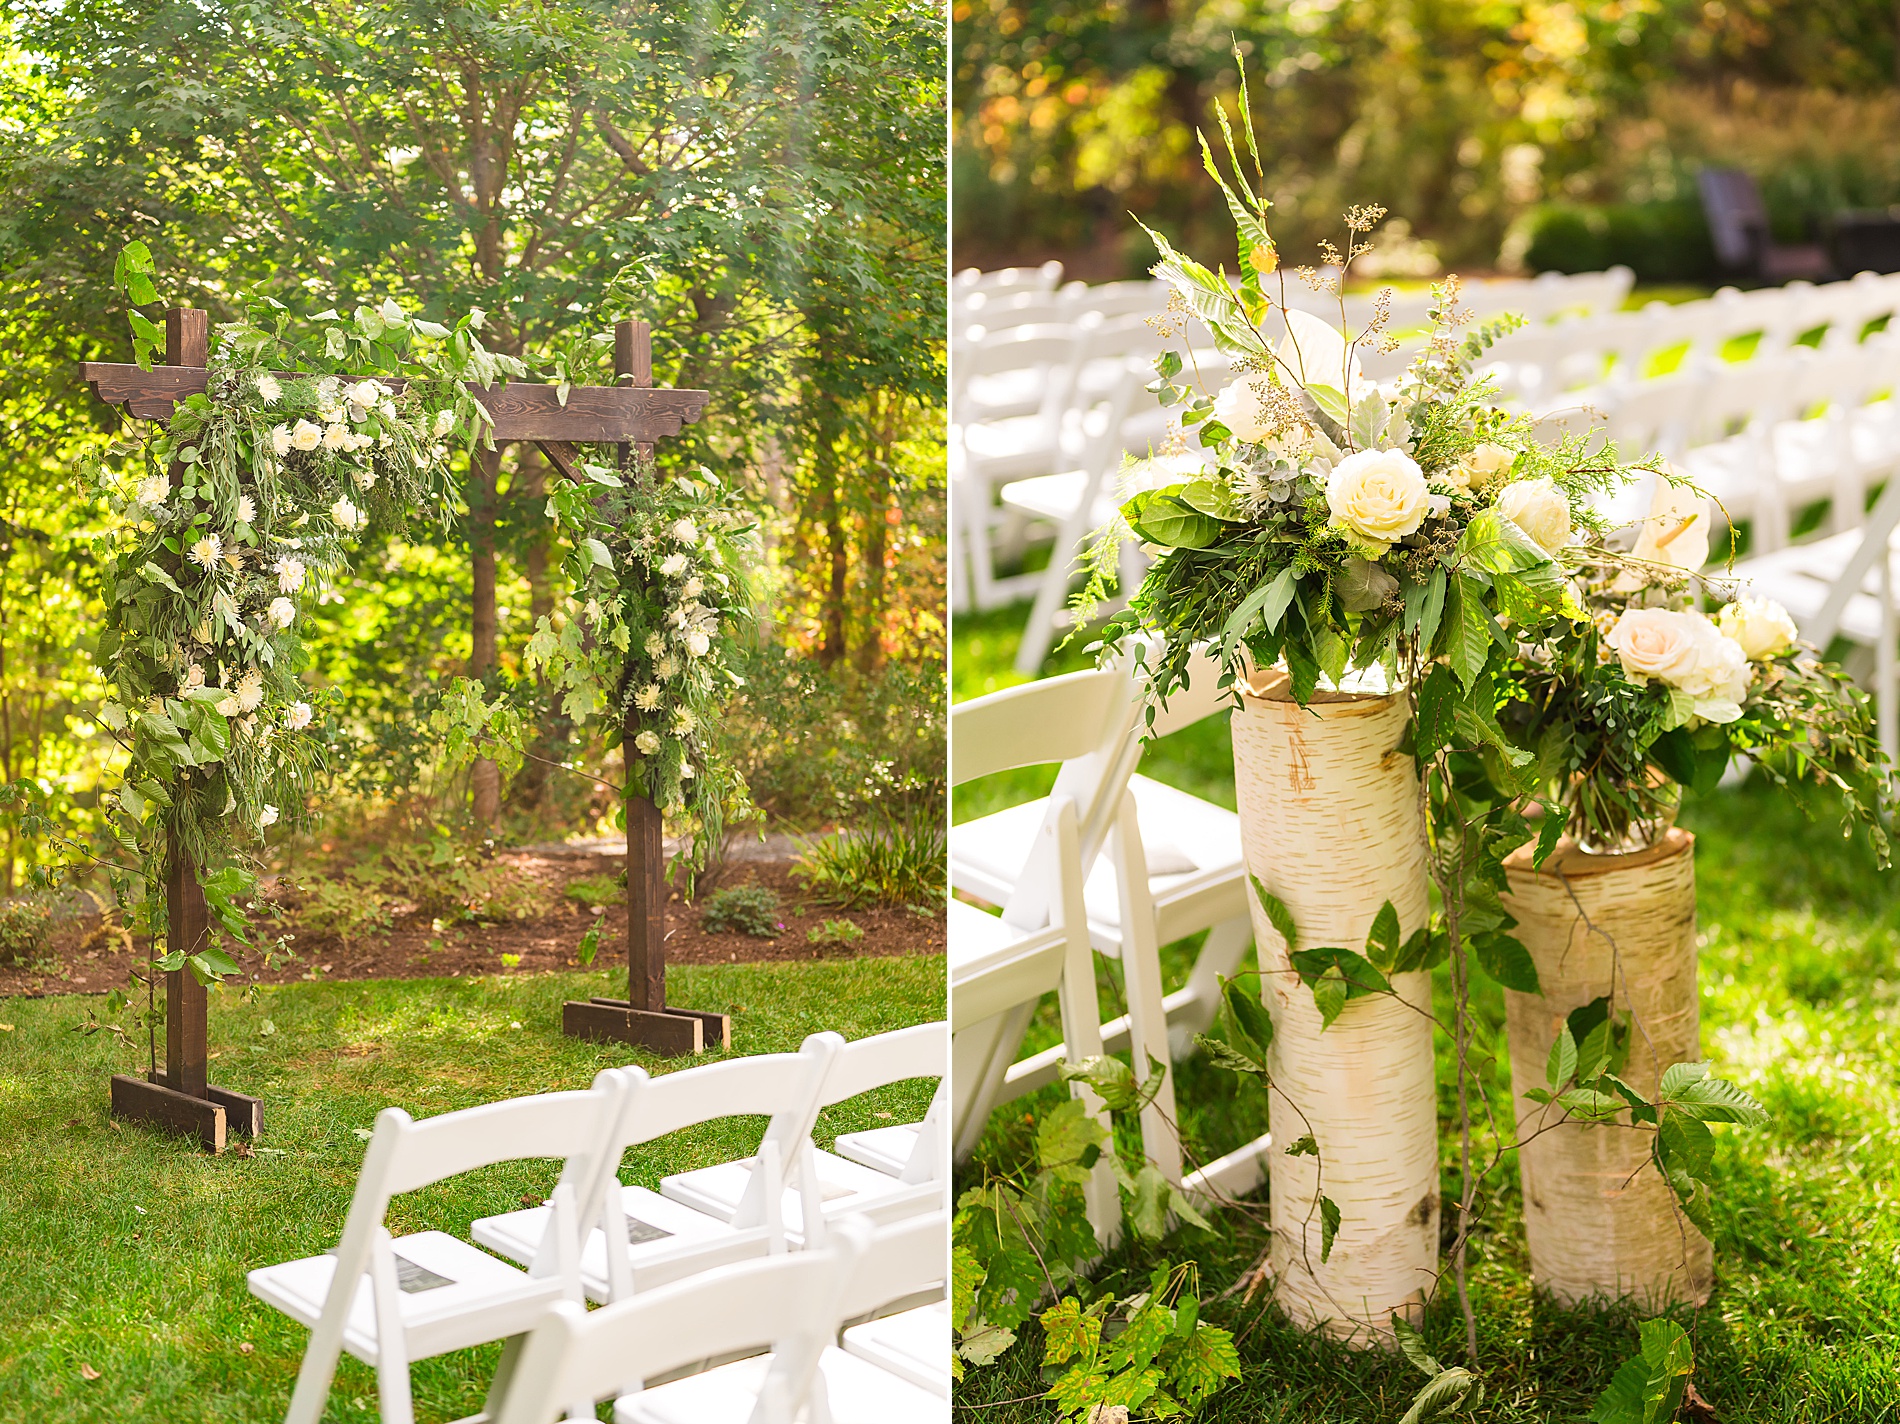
(1800, 977)
(123, 1252)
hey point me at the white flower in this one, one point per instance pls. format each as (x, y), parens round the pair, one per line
(337, 438)
(306, 436)
(673, 565)
(647, 743)
(269, 390)
(683, 722)
(1315, 351)
(1240, 408)
(267, 817)
(685, 531)
(365, 394)
(1674, 534)
(1380, 495)
(1760, 625)
(386, 408)
(227, 707)
(246, 509)
(153, 489)
(297, 716)
(389, 311)
(647, 699)
(655, 645)
(1481, 466)
(290, 574)
(280, 440)
(667, 668)
(195, 675)
(282, 612)
(207, 551)
(686, 771)
(1540, 509)
(438, 453)
(364, 478)
(345, 514)
(692, 588)
(697, 643)
(1686, 651)
(249, 691)
(444, 422)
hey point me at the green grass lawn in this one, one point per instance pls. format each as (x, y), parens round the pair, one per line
(1800, 942)
(124, 1251)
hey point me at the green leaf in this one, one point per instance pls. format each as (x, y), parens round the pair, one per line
(1382, 940)
(1712, 1100)
(1223, 1055)
(1160, 517)
(966, 1275)
(589, 945)
(1467, 630)
(1356, 974)
(1563, 1060)
(1069, 1331)
(1065, 1134)
(1494, 544)
(1412, 1346)
(1686, 1143)
(1251, 231)
(1449, 1392)
(1251, 1024)
(1204, 1359)
(1328, 1227)
(1506, 960)
(1267, 602)
(1548, 835)
(1147, 1206)
(1209, 297)
(1214, 498)
(983, 1342)
(1590, 1105)
(1437, 705)
(1649, 1388)
(1329, 995)
(1303, 1147)
(1278, 915)
(1331, 401)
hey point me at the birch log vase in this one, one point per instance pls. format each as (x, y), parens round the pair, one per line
(1601, 1222)
(1329, 824)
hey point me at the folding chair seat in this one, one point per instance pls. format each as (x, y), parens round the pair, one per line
(639, 1238)
(390, 1301)
(913, 1344)
(841, 1186)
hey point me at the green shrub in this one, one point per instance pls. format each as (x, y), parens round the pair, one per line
(597, 890)
(744, 909)
(25, 929)
(1659, 242)
(835, 932)
(887, 861)
(349, 906)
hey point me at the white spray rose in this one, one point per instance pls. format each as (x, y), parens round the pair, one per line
(282, 612)
(692, 588)
(697, 643)
(1760, 625)
(1240, 408)
(647, 743)
(365, 394)
(1380, 495)
(345, 514)
(290, 574)
(1686, 651)
(1540, 509)
(1482, 466)
(444, 422)
(306, 436)
(297, 716)
(673, 565)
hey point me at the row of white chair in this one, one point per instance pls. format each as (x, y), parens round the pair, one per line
(391, 1300)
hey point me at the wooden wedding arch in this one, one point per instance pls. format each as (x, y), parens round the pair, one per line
(631, 414)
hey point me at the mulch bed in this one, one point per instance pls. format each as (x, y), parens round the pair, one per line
(84, 958)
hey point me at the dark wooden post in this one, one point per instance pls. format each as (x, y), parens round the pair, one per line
(643, 1017)
(182, 1097)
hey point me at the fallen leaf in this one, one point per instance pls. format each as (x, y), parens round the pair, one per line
(364, 1133)
(6, 1028)
(1696, 1407)
(883, 1115)
(86, 1371)
(245, 1347)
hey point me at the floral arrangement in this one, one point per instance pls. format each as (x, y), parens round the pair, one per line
(653, 631)
(1650, 694)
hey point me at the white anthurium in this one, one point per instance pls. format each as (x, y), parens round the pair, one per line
(1318, 354)
(1673, 535)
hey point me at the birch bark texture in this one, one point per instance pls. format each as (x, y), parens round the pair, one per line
(1330, 824)
(1601, 1222)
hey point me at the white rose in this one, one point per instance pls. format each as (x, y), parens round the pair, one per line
(697, 643)
(673, 565)
(290, 574)
(685, 531)
(344, 513)
(1240, 408)
(1540, 509)
(306, 436)
(692, 588)
(1686, 651)
(1760, 626)
(1482, 466)
(246, 509)
(444, 422)
(365, 394)
(267, 817)
(280, 440)
(282, 612)
(1380, 495)
(153, 489)
(269, 390)
(647, 743)
(297, 716)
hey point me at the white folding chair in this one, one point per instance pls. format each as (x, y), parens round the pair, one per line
(969, 282)
(787, 1305)
(914, 1342)
(1843, 586)
(832, 1187)
(391, 1301)
(644, 1238)
(1001, 966)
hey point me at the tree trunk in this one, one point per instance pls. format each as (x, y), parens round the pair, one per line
(1329, 823)
(831, 515)
(877, 529)
(531, 783)
(1599, 1219)
(484, 469)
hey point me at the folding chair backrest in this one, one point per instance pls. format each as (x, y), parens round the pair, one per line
(902, 1260)
(922, 1051)
(1875, 532)
(1055, 719)
(1116, 299)
(1050, 348)
(789, 1303)
(1651, 416)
